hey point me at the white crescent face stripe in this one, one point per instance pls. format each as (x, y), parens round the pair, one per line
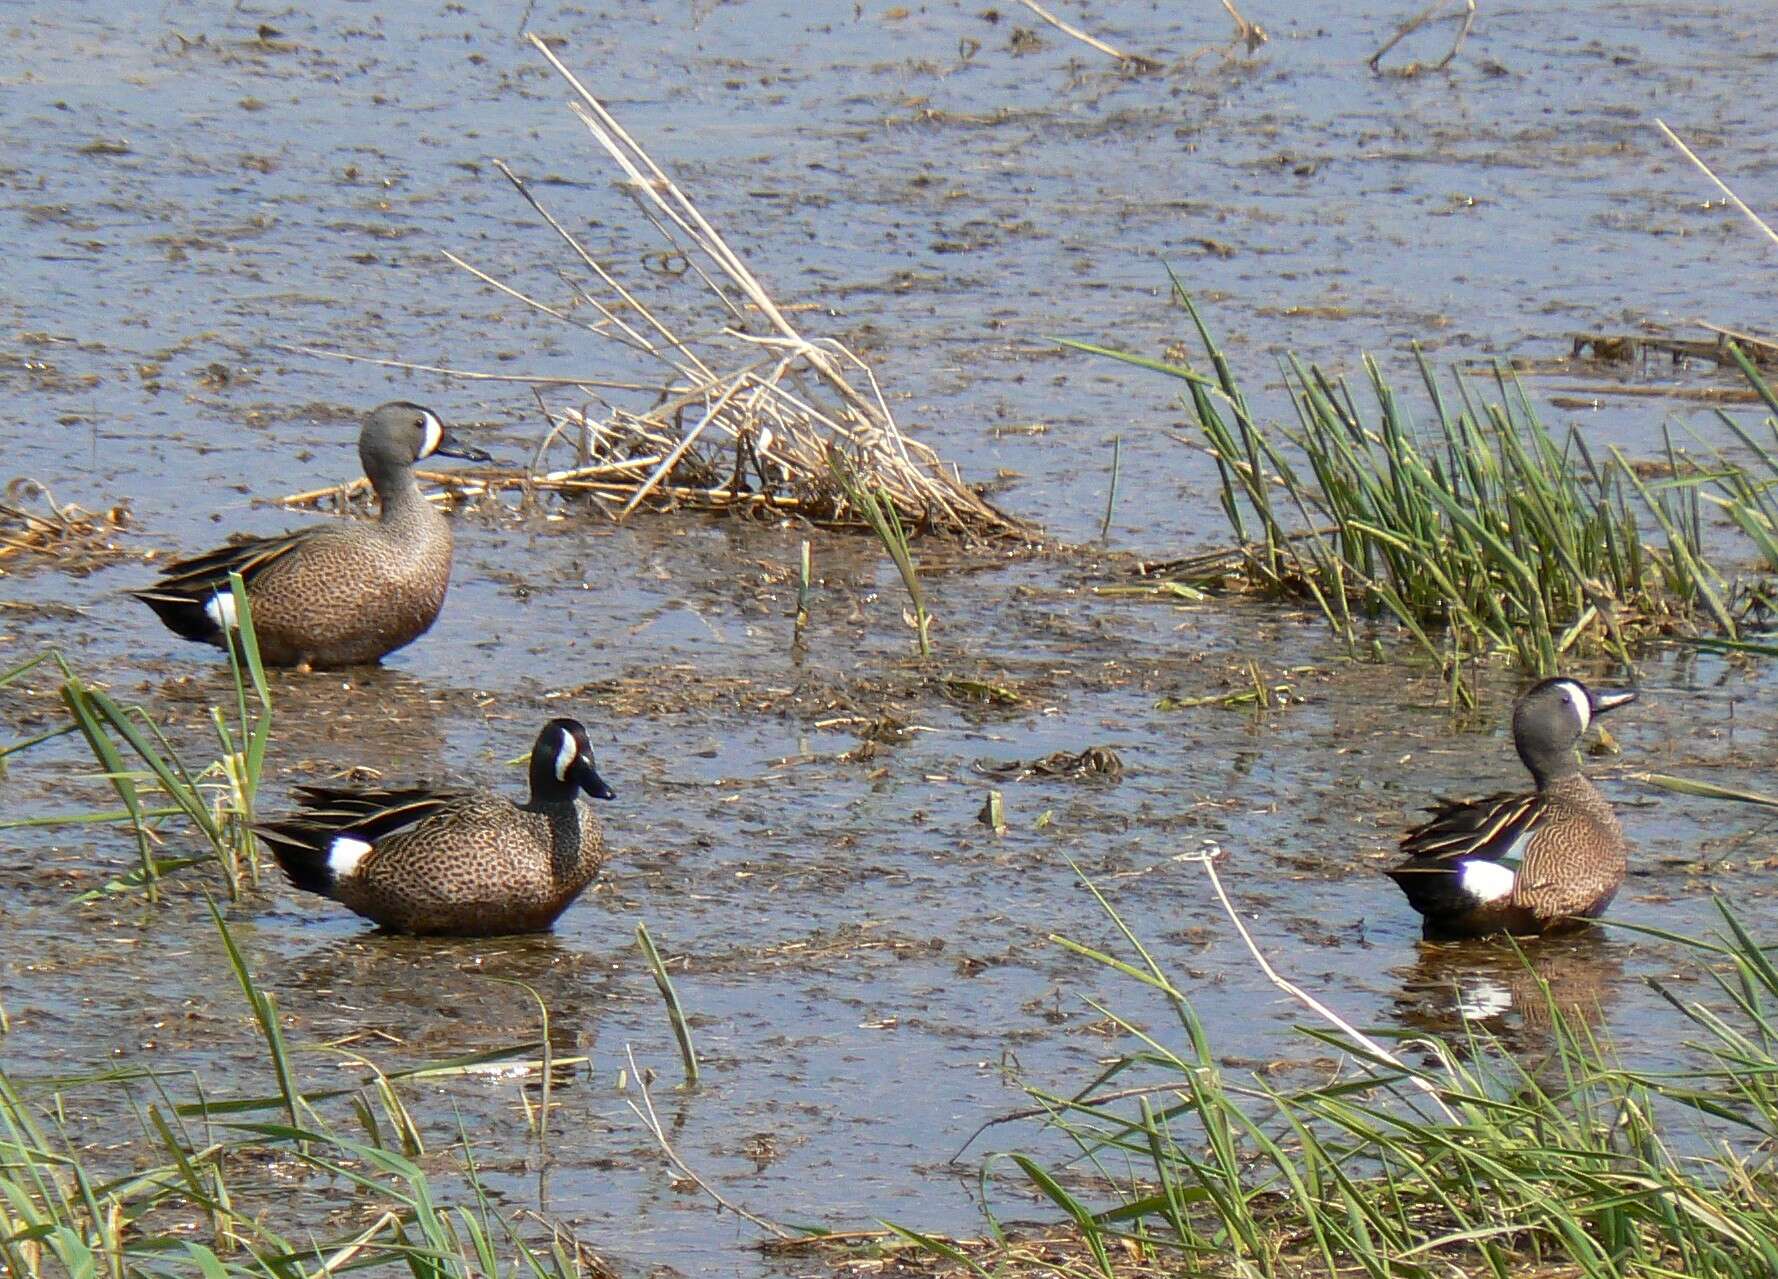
(1583, 705)
(565, 756)
(344, 852)
(434, 435)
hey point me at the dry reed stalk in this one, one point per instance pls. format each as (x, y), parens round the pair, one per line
(742, 415)
(652, 1121)
(1413, 24)
(1112, 51)
(1722, 186)
(1248, 33)
(1762, 349)
(36, 530)
(612, 483)
(1207, 859)
(465, 375)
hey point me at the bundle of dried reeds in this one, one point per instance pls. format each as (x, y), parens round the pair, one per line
(35, 531)
(746, 414)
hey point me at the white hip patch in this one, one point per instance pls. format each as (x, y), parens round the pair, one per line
(344, 852)
(220, 609)
(1486, 881)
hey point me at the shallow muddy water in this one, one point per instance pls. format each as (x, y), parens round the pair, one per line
(867, 967)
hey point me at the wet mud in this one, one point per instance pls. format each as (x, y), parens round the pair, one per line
(867, 965)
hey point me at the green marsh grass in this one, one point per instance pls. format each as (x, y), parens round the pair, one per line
(1486, 524)
(878, 510)
(152, 780)
(1454, 1158)
(1748, 496)
(1117, 467)
(688, 1053)
(537, 1117)
(11, 677)
(208, 1189)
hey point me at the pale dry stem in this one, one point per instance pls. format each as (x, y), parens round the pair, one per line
(1207, 860)
(1419, 20)
(1092, 42)
(652, 1121)
(1722, 186)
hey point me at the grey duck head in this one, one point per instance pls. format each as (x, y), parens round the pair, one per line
(1548, 721)
(398, 434)
(562, 764)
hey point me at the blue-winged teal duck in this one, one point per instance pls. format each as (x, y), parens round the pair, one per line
(1527, 863)
(345, 593)
(471, 863)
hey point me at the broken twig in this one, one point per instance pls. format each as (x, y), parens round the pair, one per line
(1249, 33)
(652, 1121)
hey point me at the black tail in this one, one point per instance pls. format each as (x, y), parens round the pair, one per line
(1433, 889)
(304, 863)
(186, 618)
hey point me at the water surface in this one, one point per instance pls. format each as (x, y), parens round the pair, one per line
(192, 191)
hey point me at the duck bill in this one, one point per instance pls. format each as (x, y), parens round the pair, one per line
(450, 446)
(1603, 702)
(587, 778)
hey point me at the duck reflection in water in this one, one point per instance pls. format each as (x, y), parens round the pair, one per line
(408, 1001)
(1510, 993)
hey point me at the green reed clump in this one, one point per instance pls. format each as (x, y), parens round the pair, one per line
(1485, 524)
(1747, 493)
(208, 1184)
(688, 1053)
(1459, 1160)
(153, 781)
(878, 510)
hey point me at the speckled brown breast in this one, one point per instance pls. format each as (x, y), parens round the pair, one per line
(479, 867)
(350, 594)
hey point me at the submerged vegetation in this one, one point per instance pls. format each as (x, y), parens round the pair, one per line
(1445, 1158)
(1486, 532)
